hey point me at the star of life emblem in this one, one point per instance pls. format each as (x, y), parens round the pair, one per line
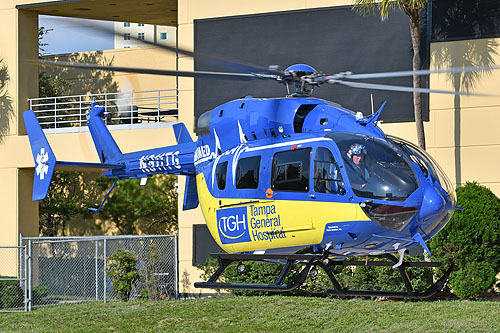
(41, 163)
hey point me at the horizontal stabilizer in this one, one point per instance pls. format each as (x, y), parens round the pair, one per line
(89, 165)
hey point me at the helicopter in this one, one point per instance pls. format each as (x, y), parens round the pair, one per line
(280, 179)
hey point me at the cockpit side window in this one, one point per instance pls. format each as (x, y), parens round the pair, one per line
(247, 172)
(290, 170)
(220, 173)
(327, 177)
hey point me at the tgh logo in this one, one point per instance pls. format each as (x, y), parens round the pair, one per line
(233, 225)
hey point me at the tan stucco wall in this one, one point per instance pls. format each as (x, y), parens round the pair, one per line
(18, 41)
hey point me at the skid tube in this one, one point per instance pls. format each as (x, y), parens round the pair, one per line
(318, 260)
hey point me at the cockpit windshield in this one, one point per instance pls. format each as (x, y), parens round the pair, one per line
(427, 164)
(376, 168)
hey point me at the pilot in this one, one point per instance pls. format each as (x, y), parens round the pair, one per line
(358, 174)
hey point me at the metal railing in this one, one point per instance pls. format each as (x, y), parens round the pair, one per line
(148, 106)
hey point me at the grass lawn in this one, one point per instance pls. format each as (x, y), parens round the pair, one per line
(262, 314)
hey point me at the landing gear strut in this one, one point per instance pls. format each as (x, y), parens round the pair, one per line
(310, 263)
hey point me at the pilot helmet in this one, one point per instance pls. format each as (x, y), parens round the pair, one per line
(356, 149)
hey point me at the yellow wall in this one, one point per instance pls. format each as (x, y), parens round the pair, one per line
(18, 41)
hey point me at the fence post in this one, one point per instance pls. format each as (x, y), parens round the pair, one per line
(96, 269)
(105, 267)
(30, 289)
(21, 260)
(176, 268)
(25, 280)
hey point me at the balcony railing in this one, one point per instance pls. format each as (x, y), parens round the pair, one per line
(135, 107)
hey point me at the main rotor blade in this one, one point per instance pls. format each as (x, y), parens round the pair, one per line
(411, 73)
(238, 66)
(87, 66)
(400, 88)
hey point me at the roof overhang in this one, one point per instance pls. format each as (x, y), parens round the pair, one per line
(159, 12)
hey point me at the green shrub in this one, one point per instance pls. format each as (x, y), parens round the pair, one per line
(385, 277)
(123, 273)
(39, 293)
(11, 294)
(471, 241)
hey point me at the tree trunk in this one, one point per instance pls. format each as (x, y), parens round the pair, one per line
(417, 82)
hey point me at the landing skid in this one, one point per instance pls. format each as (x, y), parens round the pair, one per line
(315, 260)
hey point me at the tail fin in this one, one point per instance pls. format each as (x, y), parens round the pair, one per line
(106, 147)
(181, 133)
(45, 160)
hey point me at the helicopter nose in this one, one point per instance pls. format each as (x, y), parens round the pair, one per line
(433, 204)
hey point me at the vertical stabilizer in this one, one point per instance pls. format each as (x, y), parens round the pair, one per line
(45, 160)
(106, 147)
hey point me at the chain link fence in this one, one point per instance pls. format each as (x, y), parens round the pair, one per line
(13, 286)
(75, 269)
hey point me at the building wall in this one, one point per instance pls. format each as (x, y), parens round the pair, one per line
(152, 34)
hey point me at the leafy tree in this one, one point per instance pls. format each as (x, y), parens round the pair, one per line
(149, 209)
(471, 241)
(412, 9)
(66, 198)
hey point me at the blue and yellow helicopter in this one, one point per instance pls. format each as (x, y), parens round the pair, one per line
(291, 180)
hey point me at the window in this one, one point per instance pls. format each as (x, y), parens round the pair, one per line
(126, 47)
(220, 174)
(327, 177)
(163, 35)
(126, 36)
(126, 24)
(247, 172)
(140, 24)
(383, 173)
(290, 170)
(140, 36)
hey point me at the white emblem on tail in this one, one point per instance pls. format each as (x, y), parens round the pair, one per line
(41, 163)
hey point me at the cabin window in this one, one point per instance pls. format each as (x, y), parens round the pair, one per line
(247, 172)
(290, 171)
(327, 177)
(220, 173)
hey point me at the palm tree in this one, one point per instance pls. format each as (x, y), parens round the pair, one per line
(412, 9)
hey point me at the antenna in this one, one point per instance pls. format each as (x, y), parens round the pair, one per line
(371, 99)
